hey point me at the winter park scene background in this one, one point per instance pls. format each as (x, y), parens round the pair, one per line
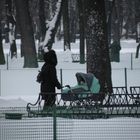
(18, 85)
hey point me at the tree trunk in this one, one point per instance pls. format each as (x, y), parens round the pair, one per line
(27, 36)
(118, 22)
(11, 25)
(82, 31)
(2, 59)
(137, 20)
(98, 61)
(110, 7)
(42, 19)
(42, 28)
(66, 25)
(72, 18)
(12, 38)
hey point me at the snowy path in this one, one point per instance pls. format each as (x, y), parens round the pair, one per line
(34, 129)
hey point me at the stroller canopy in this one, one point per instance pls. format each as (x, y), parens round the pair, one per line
(86, 78)
(86, 83)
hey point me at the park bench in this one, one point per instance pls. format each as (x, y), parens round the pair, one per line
(135, 94)
(119, 103)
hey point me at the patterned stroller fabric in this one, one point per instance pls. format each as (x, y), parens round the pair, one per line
(86, 84)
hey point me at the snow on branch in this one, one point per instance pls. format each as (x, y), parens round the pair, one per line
(52, 26)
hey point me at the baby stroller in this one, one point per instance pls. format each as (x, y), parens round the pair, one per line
(87, 89)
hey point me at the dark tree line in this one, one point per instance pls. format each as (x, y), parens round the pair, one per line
(124, 16)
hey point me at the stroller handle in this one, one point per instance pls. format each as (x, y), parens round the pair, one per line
(68, 86)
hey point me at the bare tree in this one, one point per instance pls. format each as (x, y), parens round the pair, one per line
(52, 25)
(98, 61)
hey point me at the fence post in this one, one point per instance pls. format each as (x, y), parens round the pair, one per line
(7, 61)
(131, 61)
(54, 123)
(125, 72)
(61, 77)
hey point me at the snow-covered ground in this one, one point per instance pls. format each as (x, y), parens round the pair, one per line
(70, 129)
(18, 86)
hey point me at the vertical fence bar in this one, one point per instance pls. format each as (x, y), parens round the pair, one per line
(131, 61)
(61, 77)
(7, 61)
(54, 123)
(125, 73)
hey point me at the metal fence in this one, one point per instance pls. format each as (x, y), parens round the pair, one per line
(35, 129)
(43, 128)
(116, 118)
(127, 60)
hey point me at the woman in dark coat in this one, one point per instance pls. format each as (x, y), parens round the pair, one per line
(49, 81)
